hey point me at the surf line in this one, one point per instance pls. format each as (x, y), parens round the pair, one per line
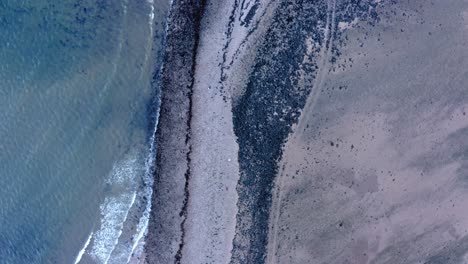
(82, 251)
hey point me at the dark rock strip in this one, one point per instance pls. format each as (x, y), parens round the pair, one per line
(272, 102)
(165, 238)
(271, 88)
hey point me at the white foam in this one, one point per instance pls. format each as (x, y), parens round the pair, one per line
(151, 15)
(143, 221)
(148, 192)
(114, 212)
(123, 172)
(115, 209)
(142, 227)
(82, 251)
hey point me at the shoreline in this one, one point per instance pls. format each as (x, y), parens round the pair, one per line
(164, 240)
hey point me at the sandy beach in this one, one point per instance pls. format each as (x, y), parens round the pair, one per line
(300, 132)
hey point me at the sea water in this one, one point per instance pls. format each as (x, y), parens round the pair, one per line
(76, 120)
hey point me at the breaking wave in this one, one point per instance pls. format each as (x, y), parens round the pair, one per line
(115, 209)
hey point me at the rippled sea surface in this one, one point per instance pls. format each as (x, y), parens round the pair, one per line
(75, 127)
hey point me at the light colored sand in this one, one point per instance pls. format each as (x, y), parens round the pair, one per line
(393, 186)
(212, 207)
(323, 58)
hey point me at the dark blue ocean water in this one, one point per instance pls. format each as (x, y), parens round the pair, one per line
(75, 89)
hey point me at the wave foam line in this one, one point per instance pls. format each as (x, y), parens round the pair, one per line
(142, 226)
(82, 251)
(148, 183)
(115, 209)
(120, 255)
(148, 192)
(149, 167)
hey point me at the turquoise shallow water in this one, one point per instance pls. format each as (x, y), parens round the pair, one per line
(75, 126)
